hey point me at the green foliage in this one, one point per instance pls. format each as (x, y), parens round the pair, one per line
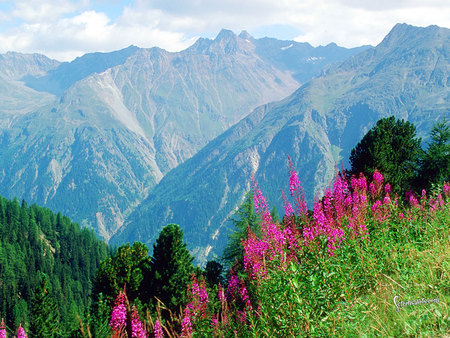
(435, 165)
(127, 267)
(170, 268)
(391, 147)
(213, 273)
(244, 218)
(33, 240)
(45, 314)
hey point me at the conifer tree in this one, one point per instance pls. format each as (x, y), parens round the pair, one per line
(244, 218)
(435, 166)
(45, 314)
(170, 268)
(391, 147)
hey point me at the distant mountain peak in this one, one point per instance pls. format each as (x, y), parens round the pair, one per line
(246, 36)
(402, 32)
(225, 34)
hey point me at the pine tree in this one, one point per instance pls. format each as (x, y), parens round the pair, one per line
(391, 147)
(244, 218)
(170, 268)
(435, 166)
(45, 314)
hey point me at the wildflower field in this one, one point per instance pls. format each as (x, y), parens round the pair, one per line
(361, 263)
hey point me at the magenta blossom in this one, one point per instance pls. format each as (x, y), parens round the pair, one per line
(2, 329)
(158, 332)
(137, 328)
(21, 332)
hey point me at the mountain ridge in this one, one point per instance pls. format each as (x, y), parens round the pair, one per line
(94, 135)
(317, 126)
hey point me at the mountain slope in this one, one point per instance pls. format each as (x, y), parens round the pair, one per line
(102, 130)
(406, 75)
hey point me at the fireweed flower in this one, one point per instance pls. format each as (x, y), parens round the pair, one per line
(259, 200)
(21, 332)
(377, 177)
(2, 329)
(296, 190)
(387, 188)
(221, 294)
(446, 189)
(294, 182)
(186, 325)
(288, 211)
(245, 297)
(137, 329)
(157, 330)
(119, 313)
(203, 294)
(214, 322)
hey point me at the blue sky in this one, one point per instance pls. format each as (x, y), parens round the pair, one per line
(65, 29)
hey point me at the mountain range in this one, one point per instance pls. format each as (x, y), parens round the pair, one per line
(406, 75)
(92, 137)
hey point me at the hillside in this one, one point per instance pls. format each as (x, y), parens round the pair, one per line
(91, 137)
(406, 75)
(35, 241)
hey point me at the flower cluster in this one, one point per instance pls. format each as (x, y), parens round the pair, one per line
(2, 329)
(20, 331)
(157, 330)
(137, 328)
(119, 315)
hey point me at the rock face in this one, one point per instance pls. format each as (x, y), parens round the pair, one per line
(406, 75)
(89, 138)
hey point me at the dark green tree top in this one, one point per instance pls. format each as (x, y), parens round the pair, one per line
(170, 268)
(391, 147)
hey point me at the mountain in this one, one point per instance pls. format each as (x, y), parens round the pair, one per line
(406, 75)
(15, 97)
(91, 137)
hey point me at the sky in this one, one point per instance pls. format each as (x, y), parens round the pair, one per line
(65, 29)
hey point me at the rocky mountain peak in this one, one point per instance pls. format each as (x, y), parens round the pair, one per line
(225, 34)
(246, 36)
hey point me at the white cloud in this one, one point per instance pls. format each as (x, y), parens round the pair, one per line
(64, 29)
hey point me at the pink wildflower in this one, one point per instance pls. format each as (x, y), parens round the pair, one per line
(288, 211)
(203, 294)
(21, 332)
(387, 188)
(119, 313)
(137, 328)
(245, 297)
(294, 182)
(372, 189)
(412, 199)
(377, 177)
(446, 189)
(2, 329)
(233, 285)
(186, 325)
(221, 294)
(242, 315)
(157, 331)
(214, 322)
(259, 200)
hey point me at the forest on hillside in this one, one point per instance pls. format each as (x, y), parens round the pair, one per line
(370, 258)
